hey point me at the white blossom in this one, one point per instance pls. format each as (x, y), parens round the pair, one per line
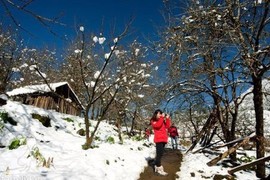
(107, 55)
(32, 67)
(95, 39)
(96, 74)
(15, 69)
(137, 52)
(116, 52)
(81, 28)
(143, 65)
(101, 40)
(147, 75)
(42, 74)
(77, 51)
(92, 84)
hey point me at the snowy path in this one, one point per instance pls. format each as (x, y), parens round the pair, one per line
(171, 162)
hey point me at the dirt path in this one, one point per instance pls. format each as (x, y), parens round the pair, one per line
(171, 162)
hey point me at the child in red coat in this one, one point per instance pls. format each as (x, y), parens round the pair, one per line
(174, 136)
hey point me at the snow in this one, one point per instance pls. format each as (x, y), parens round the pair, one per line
(95, 39)
(96, 75)
(107, 55)
(81, 28)
(77, 51)
(115, 40)
(101, 40)
(35, 88)
(107, 161)
(64, 145)
(4, 97)
(196, 164)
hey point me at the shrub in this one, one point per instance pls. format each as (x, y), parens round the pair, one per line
(110, 140)
(41, 160)
(37, 155)
(97, 138)
(4, 116)
(246, 159)
(68, 119)
(137, 138)
(81, 132)
(46, 121)
(16, 143)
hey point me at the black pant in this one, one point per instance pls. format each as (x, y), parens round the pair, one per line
(159, 153)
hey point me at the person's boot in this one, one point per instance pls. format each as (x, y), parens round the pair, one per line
(160, 171)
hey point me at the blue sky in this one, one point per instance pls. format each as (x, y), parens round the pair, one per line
(95, 15)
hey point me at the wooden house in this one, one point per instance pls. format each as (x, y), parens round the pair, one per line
(57, 96)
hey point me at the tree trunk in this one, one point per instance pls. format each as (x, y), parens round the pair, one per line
(133, 121)
(191, 120)
(258, 105)
(232, 135)
(87, 131)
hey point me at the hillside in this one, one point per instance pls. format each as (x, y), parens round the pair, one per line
(247, 112)
(60, 147)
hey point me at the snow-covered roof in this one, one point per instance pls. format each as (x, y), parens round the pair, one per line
(41, 88)
(37, 88)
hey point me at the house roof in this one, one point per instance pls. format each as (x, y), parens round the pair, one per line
(40, 88)
(35, 88)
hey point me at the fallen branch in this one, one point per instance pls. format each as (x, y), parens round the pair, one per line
(233, 142)
(229, 143)
(209, 151)
(228, 152)
(245, 166)
(206, 147)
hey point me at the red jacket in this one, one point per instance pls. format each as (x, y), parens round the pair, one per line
(160, 129)
(147, 132)
(173, 131)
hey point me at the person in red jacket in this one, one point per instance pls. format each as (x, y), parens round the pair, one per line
(160, 123)
(147, 133)
(174, 136)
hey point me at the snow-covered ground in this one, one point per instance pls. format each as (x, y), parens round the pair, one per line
(62, 146)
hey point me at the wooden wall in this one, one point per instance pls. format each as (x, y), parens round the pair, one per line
(48, 101)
